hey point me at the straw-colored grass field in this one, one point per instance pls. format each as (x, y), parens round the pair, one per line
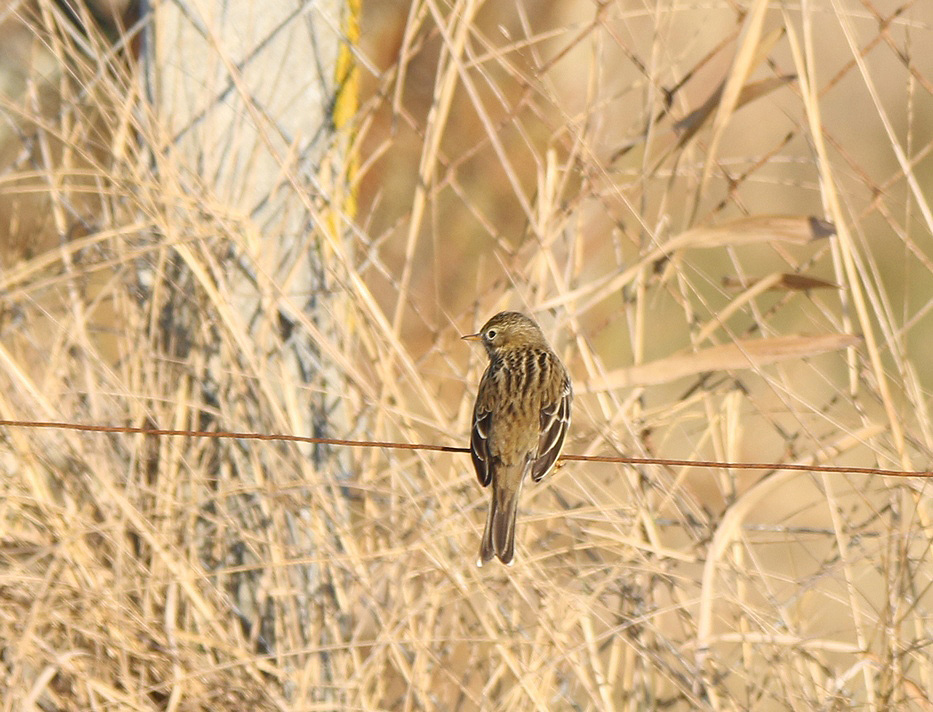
(720, 213)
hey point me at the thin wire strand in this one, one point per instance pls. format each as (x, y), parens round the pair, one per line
(51, 425)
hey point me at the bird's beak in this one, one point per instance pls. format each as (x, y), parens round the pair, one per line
(472, 337)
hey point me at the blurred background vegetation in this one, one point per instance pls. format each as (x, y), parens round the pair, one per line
(279, 218)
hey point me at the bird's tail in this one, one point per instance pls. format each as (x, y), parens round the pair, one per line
(499, 534)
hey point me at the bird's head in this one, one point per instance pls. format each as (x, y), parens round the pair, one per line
(508, 330)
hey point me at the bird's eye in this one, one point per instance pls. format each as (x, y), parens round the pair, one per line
(491, 334)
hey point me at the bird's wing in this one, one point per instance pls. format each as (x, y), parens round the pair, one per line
(555, 419)
(479, 436)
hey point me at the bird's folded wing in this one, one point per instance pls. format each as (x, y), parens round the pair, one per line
(555, 419)
(479, 444)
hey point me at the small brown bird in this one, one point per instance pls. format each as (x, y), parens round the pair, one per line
(521, 416)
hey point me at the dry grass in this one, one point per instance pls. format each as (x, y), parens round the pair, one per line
(642, 178)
